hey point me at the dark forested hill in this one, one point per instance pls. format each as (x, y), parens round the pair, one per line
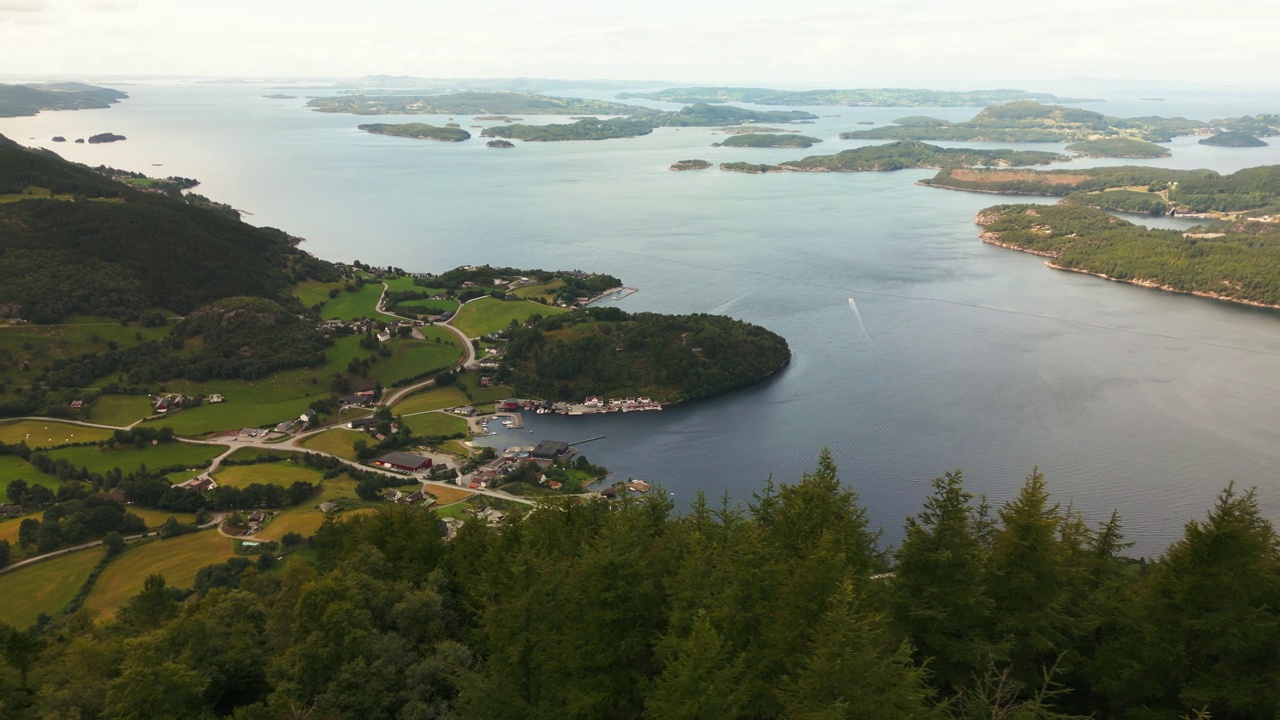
(18, 100)
(73, 241)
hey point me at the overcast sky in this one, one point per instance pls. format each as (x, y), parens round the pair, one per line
(795, 43)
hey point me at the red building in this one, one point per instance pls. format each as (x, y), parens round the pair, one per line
(404, 462)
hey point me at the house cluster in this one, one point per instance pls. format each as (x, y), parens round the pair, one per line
(492, 473)
(384, 331)
(203, 483)
(370, 425)
(167, 403)
(361, 399)
(414, 498)
(597, 404)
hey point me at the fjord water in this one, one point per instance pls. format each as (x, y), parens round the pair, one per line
(973, 357)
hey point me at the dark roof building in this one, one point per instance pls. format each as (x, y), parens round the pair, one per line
(550, 449)
(404, 462)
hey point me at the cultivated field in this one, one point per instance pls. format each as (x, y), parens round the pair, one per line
(120, 409)
(45, 586)
(128, 459)
(278, 473)
(335, 442)
(433, 399)
(13, 468)
(487, 315)
(177, 559)
(47, 433)
(436, 423)
(155, 518)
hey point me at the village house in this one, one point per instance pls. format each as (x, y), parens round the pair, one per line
(403, 462)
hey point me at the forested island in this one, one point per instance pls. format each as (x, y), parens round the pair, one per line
(1233, 139)
(280, 96)
(690, 165)
(882, 97)
(501, 144)
(418, 130)
(1239, 262)
(900, 156)
(610, 353)
(588, 129)
(1252, 192)
(1259, 126)
(20, 100)
(105, 138)
(1119, 147)
(1028, 121)
(768, 140)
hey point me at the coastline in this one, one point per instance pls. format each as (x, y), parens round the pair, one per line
(992, 239)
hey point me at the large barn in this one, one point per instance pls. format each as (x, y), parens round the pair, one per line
(404, 462)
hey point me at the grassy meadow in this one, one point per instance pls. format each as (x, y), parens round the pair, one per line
(486, 315)
(47, 433)
(177, 559)
(45, 587)
(128, 459)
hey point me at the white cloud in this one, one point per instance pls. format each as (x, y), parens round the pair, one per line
(23, 6)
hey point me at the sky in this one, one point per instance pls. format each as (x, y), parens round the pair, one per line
(792, 43)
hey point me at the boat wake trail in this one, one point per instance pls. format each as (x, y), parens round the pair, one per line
(854, 307)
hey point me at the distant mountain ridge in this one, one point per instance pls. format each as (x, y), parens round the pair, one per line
(29, 99)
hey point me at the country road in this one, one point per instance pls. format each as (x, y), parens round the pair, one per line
(214, 521)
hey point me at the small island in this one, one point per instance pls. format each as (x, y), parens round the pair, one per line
(589, 129)
(769, 140)
(901, 156)
(1233, 139)
(690, 165)
(497, 118)
(279, 96)
(748, 129)
(105, 138)
(421, 131)
(58, 138)
(503, 144)
(1119, 147)
(750, 168)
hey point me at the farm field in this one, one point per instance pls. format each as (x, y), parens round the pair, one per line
(177, 559)
(100, 460)
(305, 519)
(352, 305)
(48, 433)
(120, 410)
(413, 357)
(278, 473)
(448, 495)
(426, 307)
(335, 442)
(13, 468)
(486, 315)
(433, 399)
(45, 586)
(314, 292)
(469, 383)
(155, 518)
(540, 290)
(9, 528)
(436, 423)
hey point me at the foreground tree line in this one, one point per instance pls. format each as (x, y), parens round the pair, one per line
(786, 608)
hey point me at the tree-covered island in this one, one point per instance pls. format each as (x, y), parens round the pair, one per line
(690, 165)
(768, 140)
(417, 130)
(587, 129)
(1119, 147)
(900, 156)
(1028, 121)
(1230, 138)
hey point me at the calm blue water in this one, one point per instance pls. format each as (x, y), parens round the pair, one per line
(974, 357)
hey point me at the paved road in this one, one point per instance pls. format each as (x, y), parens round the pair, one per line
(468, 360)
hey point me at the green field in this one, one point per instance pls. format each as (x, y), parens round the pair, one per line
(177, 559)
(413, 357)
(352, 305)
(9, 527)
(305, 519)
(278, 473)
(45, 587)
(540, 290)
(313, 292)
(120, 410)
(426, 307)
(335, 442)
(469, 383)
(13, 468)
(41, 344)
(128, 459)
(249, 403)
(47, 433)
(486, 315)
(433, 399)
(249, 453)
(436, 423)
(155, 518)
